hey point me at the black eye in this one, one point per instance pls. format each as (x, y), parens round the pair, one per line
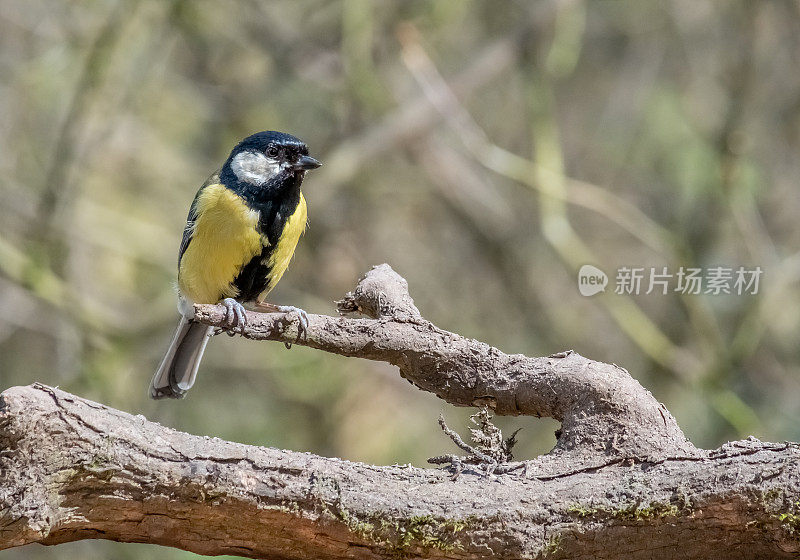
(272, 151)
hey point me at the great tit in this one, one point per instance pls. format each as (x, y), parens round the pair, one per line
(241, 233)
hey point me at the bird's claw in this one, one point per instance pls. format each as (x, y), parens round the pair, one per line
(302, 329)
(235, 315)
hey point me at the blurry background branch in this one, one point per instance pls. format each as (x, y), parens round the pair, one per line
(546, 176)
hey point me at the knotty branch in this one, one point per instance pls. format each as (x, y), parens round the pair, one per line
(621, 482)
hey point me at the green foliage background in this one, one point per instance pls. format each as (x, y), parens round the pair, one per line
(484, 149)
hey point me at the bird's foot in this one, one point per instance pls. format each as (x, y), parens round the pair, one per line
(235, 315)
(302, 317)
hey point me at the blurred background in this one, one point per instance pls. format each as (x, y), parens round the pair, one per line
(485, 150)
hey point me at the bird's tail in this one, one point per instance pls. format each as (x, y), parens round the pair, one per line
(178, 369)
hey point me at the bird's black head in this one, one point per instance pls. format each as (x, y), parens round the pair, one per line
(267, 161)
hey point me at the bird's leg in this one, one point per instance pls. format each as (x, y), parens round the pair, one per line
(302, 329)
(234, 313)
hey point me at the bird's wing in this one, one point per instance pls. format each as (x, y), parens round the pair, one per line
(191, 219)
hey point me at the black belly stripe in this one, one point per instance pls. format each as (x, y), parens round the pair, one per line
(254, 277)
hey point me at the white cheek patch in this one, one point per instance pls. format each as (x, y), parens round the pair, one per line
(254, 167)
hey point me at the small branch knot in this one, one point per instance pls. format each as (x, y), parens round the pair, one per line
(490, 451)
(381, 292)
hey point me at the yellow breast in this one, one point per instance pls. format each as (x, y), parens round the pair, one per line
(225, 239)
(284, 249)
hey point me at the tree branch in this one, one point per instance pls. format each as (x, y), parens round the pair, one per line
(601, 407)
(622, 481)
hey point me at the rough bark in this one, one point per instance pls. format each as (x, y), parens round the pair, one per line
(622, 481)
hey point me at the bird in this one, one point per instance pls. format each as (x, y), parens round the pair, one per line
(241, 233)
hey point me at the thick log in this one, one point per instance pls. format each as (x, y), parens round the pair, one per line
(73, 469)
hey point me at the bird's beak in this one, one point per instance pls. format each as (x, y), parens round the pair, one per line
(304, 163)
